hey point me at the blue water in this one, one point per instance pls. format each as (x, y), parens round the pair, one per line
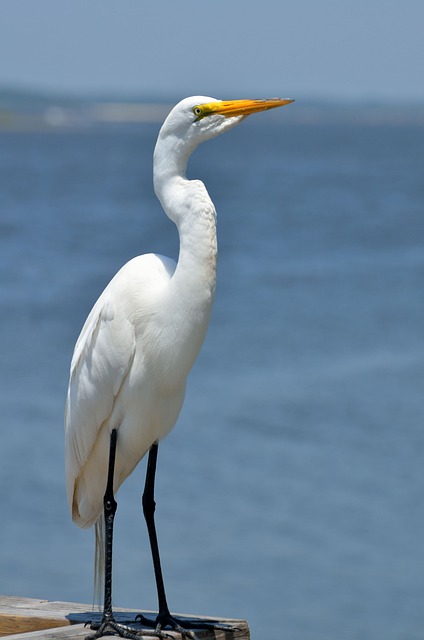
(291, 492)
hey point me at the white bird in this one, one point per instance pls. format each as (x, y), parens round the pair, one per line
(138, 344)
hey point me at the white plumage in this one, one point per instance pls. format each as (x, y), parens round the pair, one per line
(142, 336)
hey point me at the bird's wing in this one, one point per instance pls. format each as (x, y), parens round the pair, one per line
(102, 358)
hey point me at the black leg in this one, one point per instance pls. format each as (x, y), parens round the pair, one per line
(109, 505)
(108, 625)
(164, 617)
(149, 507)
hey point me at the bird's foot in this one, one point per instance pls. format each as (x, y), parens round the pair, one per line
(108, 626)
(184, 627)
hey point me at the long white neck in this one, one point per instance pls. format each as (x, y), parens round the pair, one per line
(188, 204)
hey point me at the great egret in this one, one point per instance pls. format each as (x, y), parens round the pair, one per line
(138, 344)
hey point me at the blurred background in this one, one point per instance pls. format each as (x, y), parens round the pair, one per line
(291, 491)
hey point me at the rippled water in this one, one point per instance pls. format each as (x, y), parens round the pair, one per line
(291, 491)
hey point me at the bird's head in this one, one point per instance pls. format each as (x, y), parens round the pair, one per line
(199, 118)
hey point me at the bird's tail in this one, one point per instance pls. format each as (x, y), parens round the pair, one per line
(99, 560)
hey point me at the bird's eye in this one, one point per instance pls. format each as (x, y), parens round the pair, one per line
(197, 111)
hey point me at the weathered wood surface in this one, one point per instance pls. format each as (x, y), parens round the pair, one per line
(29, 618)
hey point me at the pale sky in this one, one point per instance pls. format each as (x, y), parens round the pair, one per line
(342, 49)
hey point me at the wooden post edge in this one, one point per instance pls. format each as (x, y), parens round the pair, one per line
(31, 619)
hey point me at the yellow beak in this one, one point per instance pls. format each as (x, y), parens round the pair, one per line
(230, 108)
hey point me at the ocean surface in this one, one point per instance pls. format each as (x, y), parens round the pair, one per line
(291, 492)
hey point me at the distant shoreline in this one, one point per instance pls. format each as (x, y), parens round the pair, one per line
(26, 110)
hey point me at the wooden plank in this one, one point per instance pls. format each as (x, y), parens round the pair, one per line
(19, 615)
(74, 632)
(29, 619)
